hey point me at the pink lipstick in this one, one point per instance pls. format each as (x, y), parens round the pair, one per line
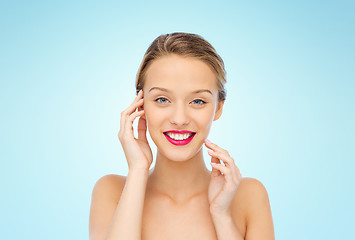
(171, 134)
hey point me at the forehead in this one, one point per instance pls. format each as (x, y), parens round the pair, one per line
(175, 72)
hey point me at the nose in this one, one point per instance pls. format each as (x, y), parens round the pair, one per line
(179, 115)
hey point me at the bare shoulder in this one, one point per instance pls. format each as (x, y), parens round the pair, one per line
(251, 187)
(254, 199)
(110, 185)
(104, 199)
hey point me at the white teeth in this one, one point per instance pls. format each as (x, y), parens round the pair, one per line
(177, 136)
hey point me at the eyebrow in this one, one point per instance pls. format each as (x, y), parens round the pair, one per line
(166, 90)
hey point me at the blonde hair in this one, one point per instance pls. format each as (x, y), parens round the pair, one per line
(185, 45)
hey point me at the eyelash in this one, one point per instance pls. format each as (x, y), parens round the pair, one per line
(202, 102)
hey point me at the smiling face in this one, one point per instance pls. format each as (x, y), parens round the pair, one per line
(180, 101)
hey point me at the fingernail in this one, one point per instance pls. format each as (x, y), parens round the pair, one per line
(208, 141)
(212, 163)
(209, 151)
(140, 100)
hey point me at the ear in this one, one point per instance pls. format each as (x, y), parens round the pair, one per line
(219, 110)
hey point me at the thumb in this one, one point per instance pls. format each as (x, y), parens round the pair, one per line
(142, 129)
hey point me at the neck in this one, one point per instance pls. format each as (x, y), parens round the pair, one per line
(179, 180)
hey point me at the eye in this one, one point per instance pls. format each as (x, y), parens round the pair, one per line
(199, 101)
(161, 100)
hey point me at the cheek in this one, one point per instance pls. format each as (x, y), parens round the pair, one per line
(205, 118)
(152, 115)
(148, 116)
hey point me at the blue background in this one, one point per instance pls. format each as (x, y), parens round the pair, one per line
(68, 70)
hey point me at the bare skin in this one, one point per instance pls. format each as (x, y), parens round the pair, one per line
(165, 219)
(173, 200)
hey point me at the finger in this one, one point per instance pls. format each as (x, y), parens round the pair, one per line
(138, 97)
(226, 159)
(127, 112)
(214, 158)
(132, 108)
(122, 124)
(142, 128)
(223, 155)
(133, 116)
(226, 172)
(215, 147)
(130, 120)
(215, 172)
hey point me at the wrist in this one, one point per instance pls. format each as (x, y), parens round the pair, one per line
(220, 215)
(139, 171)
(221, 219)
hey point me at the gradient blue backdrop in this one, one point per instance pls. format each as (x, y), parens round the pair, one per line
(68, 70)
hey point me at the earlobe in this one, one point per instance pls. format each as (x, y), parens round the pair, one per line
(219, 110)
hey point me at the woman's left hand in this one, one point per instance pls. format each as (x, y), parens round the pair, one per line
(224, 180)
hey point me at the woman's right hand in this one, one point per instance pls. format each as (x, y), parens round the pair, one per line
(137, 151)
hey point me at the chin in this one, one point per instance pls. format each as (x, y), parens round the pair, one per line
(176, 156)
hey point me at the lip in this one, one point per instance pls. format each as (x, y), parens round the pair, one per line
(179, 131)
(179, 142)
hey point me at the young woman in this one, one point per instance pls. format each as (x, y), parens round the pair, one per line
(180, 92)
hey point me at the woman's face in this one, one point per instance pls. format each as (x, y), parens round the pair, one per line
(180, 94)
